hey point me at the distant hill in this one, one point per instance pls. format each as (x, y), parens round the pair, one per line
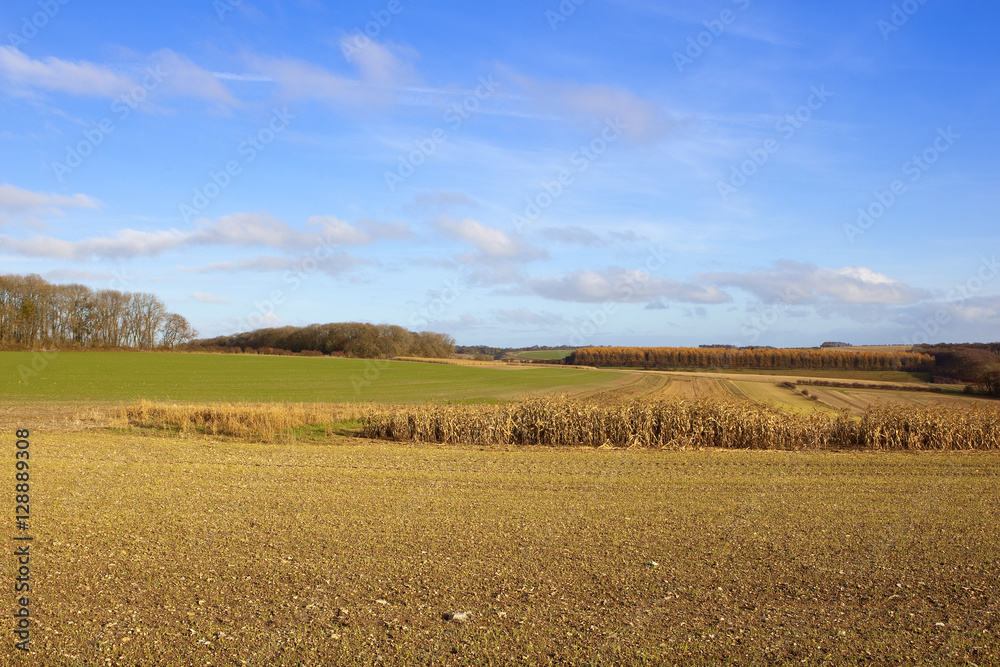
(351, 339)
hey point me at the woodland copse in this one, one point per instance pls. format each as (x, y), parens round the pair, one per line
(36, 313)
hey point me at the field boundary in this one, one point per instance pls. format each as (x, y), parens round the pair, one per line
(885, 386)
(494, 364)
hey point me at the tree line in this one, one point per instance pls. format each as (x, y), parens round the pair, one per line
(352, 339)
(503, 352)
(750, 358)
(35, 313)
(976, 363)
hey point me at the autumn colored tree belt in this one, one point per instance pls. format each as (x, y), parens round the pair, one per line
(751, 358)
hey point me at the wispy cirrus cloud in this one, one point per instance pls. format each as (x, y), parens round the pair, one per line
(644, 121)
(384, 64)
(382, 68)
(585, 237)
(334, 265)
(181, 77)
(54, 74)
(165, 71)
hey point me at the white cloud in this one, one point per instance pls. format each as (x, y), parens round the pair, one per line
(623, 286)
(236, 230)
(385, 230)
(74, 275)
(489, 241)
(332, 265)
(246, 229)
(801, 284)
(15, 201)
(338, 231)
(126, 243)
(335, 231)
(492, 243)
(978, 310)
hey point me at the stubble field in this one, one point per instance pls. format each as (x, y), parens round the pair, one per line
(164, 551)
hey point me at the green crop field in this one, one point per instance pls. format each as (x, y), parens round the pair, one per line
(550, 355)
(113, 377)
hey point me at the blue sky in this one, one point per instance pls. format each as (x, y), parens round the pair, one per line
(621, 172)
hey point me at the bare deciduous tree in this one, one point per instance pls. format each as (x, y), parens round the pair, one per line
(36, 313)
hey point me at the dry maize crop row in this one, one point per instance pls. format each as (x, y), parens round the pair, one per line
(673, 425)
(552, 421)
